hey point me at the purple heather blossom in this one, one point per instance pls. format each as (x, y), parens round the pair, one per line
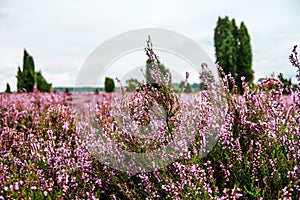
(33, 187)
(66, 126)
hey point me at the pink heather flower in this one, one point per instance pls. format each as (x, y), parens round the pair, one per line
(73, 179)
(33, 187)
(98, 181)
(59, 179)
(112, 196)
(243, 78)
(17, 187)
(94, 198)
(66, 126)
(238, 195)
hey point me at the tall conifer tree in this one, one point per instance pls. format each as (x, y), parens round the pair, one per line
(244, 56)
(233, 50)
(28, 77)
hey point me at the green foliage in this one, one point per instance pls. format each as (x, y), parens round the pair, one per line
(96, 90)
(42, 84)
(27, 77)
(285, 82)
(226, 44)
(188, 88)
(202, 86)
(66, 90)
(20, 80)
(132, 85)
(161, 67)
(109, 85)
(28, 63)
(233, 50)
(8, 90)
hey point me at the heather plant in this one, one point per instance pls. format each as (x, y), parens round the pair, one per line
(294, 61)
(40, 154)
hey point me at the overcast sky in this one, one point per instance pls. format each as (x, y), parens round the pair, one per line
(61, 34)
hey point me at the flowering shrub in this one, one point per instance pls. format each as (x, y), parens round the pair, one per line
(257, 154)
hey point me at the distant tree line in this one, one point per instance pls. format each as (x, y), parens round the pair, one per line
(286, 83)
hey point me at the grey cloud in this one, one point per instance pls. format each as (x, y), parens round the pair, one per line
(61, 34)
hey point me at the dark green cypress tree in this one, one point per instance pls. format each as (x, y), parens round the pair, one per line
(244, 56)
(233, 50)
(8, 90)
(25, 58)
(28, 77)
(109, 85)
(20, 82)
(28, 71)
(226, 44)
(42, 84)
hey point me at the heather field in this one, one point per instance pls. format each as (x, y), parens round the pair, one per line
(256, 156)
(213, 144)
